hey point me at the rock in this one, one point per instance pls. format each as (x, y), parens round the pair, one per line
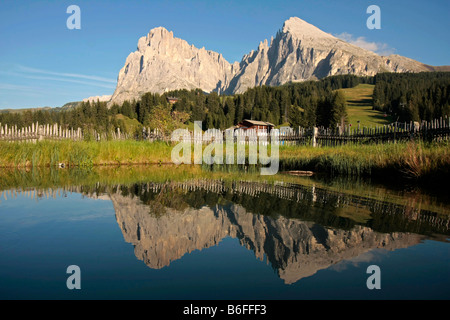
(163, 63)
(104, 98)
(299, 52)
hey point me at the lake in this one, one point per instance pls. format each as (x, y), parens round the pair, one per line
(192, 233)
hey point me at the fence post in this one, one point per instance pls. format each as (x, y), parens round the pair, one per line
(395, 131)
(314, 136)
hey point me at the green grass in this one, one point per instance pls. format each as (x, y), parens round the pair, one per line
(416, 164)
(131, 125)
(83, 153)
(359, 107)
(412, 160)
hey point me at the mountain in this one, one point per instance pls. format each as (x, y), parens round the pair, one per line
(163, 62)
(299, 52)
(104, 98)
(72, 105)
(66, 106)
(25, 109)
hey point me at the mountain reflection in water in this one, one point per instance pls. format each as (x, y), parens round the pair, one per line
(192, 231)
(298, 229)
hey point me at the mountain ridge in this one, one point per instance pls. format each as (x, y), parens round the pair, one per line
(299, 52)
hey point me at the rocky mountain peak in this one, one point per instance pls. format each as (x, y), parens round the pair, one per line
(300, 51)
(155, 34)
(303, 30)
(163, 62)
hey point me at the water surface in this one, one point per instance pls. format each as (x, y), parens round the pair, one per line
(183, 233)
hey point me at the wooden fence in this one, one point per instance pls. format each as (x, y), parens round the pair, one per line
(38, 132)
(436, 130)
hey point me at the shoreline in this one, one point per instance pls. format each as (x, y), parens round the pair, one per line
(409, 161)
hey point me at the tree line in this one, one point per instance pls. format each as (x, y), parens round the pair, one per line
(409, 97)
(413, 96)
(85, 115)
(310, 103)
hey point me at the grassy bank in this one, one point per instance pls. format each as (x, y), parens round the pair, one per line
(82, 153)
(411, 160)
(418, 161)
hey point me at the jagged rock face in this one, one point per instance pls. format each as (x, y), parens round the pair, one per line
(299, 52)
(163, 62)
(104, 98)
(396, 63)
(302, 52)
(295, 248)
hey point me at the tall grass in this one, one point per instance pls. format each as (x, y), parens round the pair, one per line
(82, 153)
(415, 160)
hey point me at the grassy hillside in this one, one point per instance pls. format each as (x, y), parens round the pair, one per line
(25, 109)
(130, 125)
(67, 106)
(359, 107)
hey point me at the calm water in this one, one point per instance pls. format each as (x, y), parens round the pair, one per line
(178, 234)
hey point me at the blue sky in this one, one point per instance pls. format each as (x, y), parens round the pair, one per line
(43, 63)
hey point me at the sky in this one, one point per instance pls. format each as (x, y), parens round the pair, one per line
(44, 63)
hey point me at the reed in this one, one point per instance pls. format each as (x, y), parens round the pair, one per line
(413, 160)
(82, 153)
